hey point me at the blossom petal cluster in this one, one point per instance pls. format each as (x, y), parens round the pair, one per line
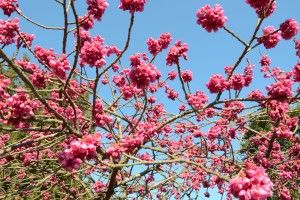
(97, 8)
(8, 6)
(211, 18)
(133, 5)
(142, 75)
(270, 37)
(289, 29)
(156, 46)
(8, 30)
(178, 50)
(253, 183)
(263, 8)
(78, 150)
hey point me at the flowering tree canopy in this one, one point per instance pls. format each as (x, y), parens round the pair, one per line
(87, 121)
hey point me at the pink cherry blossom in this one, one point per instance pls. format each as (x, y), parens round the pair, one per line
(211, 18)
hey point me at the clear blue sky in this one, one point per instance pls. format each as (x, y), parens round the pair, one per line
(208, 52)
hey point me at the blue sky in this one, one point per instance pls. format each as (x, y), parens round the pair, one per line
(208, 52)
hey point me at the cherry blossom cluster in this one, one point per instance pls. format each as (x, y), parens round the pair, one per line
(100, 118)
(142, 75)
(78, 150)
(133, 5)
(58, 65)
(8, 6)
(156, 46)
(18, 108)
(97, 8)
(86, 22)
(280, 89)
(28, 40)
(187, 76)
(297, 47)
(253, 183)
(198, 100)
(99, 186)
(3, 83)
(263, 8)
(211, 18)
(171, 93)
(289, 29)
(176, 51)
(270, 37)
(8, 30)
(296, 72)
(93, 53)
(231, 109)
(217, 83)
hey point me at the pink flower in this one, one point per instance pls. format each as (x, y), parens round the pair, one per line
(253, 183)
(28, 39)
(86, 21)
(270, 37)
(217, 84)
(8, 30)
(289, 29)
(144, 74)
(97, 8)
(8, 6)
(133, 5)
(156, 46)
(263, 8)
(93, 53)
(296, 71)
(187, 76)
(98, 186)
(211, 19)
(179, 50)
(280, 89)
(172, 75)
(171, 93)
(198, 100)
(297, 47)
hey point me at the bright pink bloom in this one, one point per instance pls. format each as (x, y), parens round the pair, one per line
(86, 22)
(217, 84)
(280, 89)
(58, 65)
(187, 76)
(28, 39)
(263, 8)
(8, 30)
(144, 74)
(237, 81)
(172, 75)
(156, 46)
(99, 186)
(93, 53)
(179, 50)
(97, 8)
(8, 6)
(171, 93)
(211, 18)
(296, 71)
(297, 47)
(198, 100)
(231, 109)
(128, 91)
(251, 184)
(270, 38)
(289, 29)
(133, 5)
